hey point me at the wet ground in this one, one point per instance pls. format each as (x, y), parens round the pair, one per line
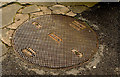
(104, 19)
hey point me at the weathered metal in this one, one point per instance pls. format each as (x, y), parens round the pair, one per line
(55, 41)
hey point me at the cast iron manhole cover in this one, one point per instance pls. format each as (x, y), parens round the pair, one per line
(55, 41)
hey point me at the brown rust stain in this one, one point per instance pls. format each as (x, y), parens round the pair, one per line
(27, 53)
(76, 25)
(32, 51)
(55, 37)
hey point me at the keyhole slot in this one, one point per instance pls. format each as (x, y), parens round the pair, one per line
(29, 52)
(36, 24)
(77, 53)
(55, 37)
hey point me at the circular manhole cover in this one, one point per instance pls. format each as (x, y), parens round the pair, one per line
(55, 41)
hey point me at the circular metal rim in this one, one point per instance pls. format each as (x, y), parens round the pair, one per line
(75, 65)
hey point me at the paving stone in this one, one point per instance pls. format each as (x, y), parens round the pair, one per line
(0, 18)
(31, 8)
(24, 3)
(6, 40)
(72, 72)
(36, 14)
(59, 9)
(71, 14)
(3, 32)
(8, 13)
(43, 3)
(3, 49)
(3, 3)
(89, 4)
(45, 10)
(78, 9)
(9, 33)
(0, 34)
(6, 36)
(19, 19)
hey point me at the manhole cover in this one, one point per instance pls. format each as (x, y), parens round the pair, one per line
(55, 41)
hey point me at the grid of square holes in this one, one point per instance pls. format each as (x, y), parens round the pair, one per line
(49, 52)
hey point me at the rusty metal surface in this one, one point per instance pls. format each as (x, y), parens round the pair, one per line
(55, 41)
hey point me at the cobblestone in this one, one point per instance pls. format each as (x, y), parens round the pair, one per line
(36, 14)
(59, 9)
(44, 3)
(9, 33)
(6, 37)
(6, 40)
(4, 49)
(8, 13)
(3, 3)
(45, 10)
(71, 14)
(31, 8)
(88, 4)
(78, 9)
(19, 19)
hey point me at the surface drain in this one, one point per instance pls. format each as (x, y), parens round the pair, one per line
(55, 41)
